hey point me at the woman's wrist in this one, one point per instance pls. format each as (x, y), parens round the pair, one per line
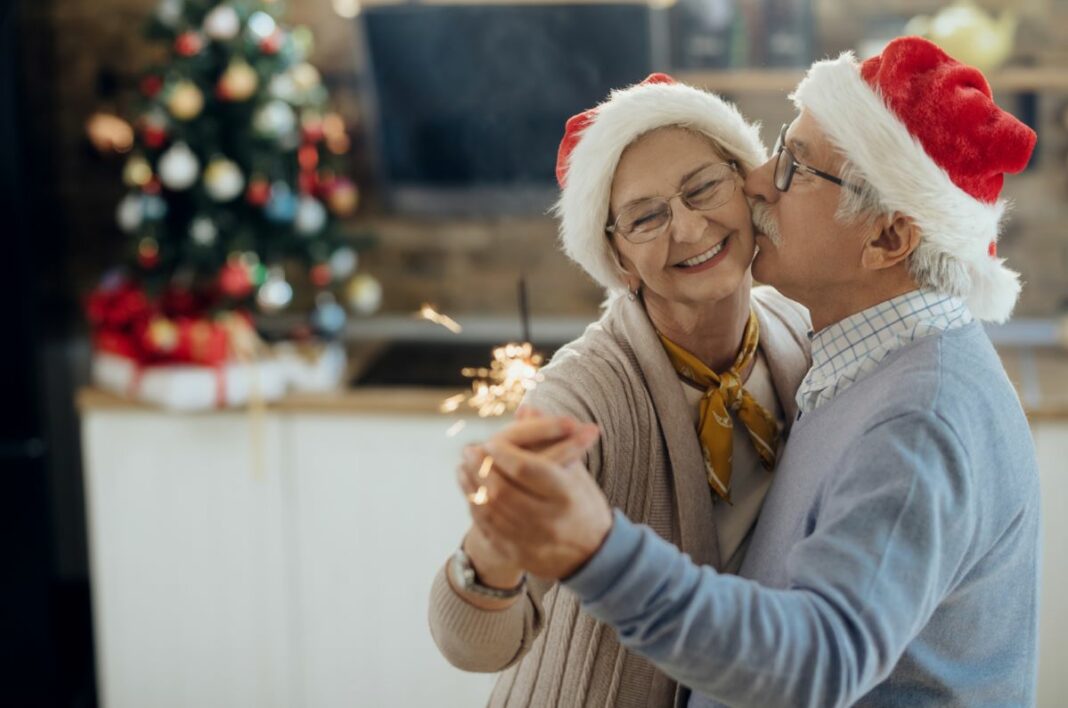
(490, 569)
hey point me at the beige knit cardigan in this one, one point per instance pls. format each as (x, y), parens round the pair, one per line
(649, 465)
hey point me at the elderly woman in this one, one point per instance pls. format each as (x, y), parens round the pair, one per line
(689, 375)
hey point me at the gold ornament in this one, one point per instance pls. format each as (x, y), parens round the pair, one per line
(343, 199)
(305, 76)
(137, 172)
(239, 81)
(186, 101)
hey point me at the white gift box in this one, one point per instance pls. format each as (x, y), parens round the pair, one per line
(189, 387)
(312, 368)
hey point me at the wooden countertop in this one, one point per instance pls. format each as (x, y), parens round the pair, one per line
(1040, 376)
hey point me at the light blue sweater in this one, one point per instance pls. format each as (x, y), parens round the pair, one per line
(895, 562)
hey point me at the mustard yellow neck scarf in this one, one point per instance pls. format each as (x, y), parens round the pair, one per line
(724, 393)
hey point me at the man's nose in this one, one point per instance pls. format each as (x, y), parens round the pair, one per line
(760, 183)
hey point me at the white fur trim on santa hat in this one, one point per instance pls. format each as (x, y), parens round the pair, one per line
(957, 229)
(627, 115)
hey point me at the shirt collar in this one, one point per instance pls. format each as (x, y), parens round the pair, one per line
(846, 350)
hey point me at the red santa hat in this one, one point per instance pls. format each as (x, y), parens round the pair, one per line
(595, 139)
(924, 131)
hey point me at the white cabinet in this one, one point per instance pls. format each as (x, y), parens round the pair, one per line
(284, 562)
(287, 562)
(1051, 443)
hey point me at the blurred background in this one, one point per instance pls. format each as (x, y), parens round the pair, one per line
(349, 198)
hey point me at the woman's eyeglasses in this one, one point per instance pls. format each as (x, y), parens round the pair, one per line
(709, 188)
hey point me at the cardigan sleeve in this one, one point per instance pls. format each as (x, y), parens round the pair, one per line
(894, 535)
(475, 639)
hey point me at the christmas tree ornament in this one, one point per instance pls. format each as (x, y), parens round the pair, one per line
(283, 88)
(178, 167)
(222, 23)
(305, 77)
(261, 25)
(311, 126)
(271, 44)
(275, 294)
(363, 294)
(137, 172)
(274, 120)
(150, 85)
(154, 207)
(310, 217)
(234, 280)
(343, 197)
(169, 12)
(153, 129)
(148, 253)
(259, 191)
(188, 44)
(223, 180)
(282, 205)
(343, 262)
(186, 101)
(308, 158)
(130, 213)
(303, 41)
(162, 335)
(329, 317)
(308, 182)
(153, 186)
(203, 231)
(239, 82)
(320, 275)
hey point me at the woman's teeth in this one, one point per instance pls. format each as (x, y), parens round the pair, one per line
(699, 259)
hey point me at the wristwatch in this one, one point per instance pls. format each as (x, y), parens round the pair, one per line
(463, 573)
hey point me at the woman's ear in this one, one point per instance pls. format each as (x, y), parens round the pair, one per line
(893, 240)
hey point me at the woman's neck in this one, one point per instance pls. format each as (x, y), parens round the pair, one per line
(710, 331)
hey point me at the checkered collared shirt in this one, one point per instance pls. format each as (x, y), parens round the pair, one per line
(844, 352)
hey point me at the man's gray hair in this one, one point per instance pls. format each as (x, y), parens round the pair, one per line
(929, 267)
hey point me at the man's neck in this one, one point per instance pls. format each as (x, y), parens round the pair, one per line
(831, 310)
(710, 331)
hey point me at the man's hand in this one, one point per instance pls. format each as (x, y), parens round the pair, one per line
(542, 510)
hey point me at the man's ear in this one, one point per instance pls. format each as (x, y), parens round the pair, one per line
(894, 239)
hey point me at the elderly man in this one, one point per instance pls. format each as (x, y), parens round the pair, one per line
(895, 560)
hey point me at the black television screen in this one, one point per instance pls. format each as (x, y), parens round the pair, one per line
(468, 102)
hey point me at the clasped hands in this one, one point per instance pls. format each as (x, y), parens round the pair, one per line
(533, 504)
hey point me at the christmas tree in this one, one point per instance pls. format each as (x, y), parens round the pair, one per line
(236, 172)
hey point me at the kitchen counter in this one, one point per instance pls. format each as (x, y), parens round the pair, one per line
(1040, 375)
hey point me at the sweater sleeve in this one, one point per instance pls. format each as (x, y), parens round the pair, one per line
(474, 639)
(891, 539)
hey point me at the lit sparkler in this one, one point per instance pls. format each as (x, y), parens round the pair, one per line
(427, 312)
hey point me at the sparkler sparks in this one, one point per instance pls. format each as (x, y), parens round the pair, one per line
(499, 389)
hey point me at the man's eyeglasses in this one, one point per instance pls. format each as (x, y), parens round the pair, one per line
(786, 165)
(709, 188)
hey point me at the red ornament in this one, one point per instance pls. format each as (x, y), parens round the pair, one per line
(148, 253)
(152, 186)
(272, 43)
(234, 280)
(312, 131)
(153, 136)
(259, 191)
(321, 275)
(308, 157)
(151, 85)
(307, 182)
(188, 44)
